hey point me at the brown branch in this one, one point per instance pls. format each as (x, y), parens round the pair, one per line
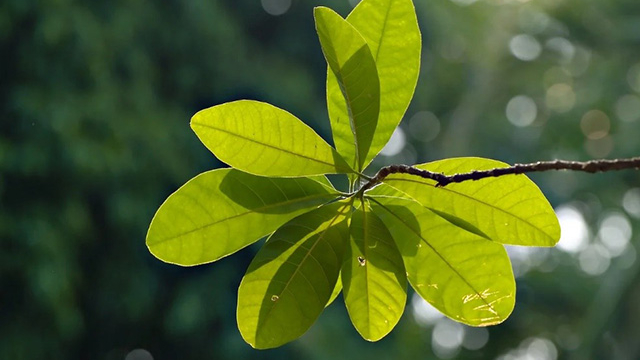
(592, 166)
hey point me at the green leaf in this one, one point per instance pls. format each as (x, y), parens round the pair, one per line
(221, 211)
(390, 28)
(354, 70)
(507, 209)
(467, 277)
(291, 279)
(336, 291)
(262, 139)
(373, 276)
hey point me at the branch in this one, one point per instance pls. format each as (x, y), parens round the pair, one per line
(592, 166)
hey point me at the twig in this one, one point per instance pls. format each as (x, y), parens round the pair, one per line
(592, 166)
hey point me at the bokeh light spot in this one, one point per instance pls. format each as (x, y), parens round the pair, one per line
(139, 354)
(563, 47)
(594, 259)
(525, 47)
(475, 338)
(521, 111)
(424, 313)
(580, 62)
(276, 7)
(395, 144)
(595, 124)
(446, 338)
(524, 258)
(536, 348)
(628, 108)
(542, 349)
(560, 97)
(533, 22)
(424, 126)
(631, 202)
(615, 233)
(464, 2)
(574, 231)
(633, 77)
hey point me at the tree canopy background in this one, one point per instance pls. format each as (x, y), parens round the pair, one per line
(95, 102)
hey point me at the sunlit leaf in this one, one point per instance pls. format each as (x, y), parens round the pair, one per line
(507, 209)
(221, 211)
(465, 276)
(373, 277)
(262, 139)
(354, 69)
(390, 28)
(446, 241)
(292, 277)
(336, 291)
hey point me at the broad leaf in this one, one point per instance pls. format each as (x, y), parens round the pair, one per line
(353, 67)
(291, 279)
(390, 28)
(507, 209)
(373, 276)
(465, 276)
(221, 211)
(262, 139)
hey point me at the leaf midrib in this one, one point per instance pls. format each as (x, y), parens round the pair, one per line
(382, 32)
(286, 285)
(354, 129)
(535, 228)
(340, 77)
(366, 267)
(334, 165)
(255, 210)
(436, 252)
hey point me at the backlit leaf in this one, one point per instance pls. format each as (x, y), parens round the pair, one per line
(373, 277)
(465, 276)
(262, 139)
(292, 277)
(221, 211)
(354, 69)
(508, 209)
(336, 291)
(390, 28)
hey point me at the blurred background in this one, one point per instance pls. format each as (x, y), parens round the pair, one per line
(95, 102)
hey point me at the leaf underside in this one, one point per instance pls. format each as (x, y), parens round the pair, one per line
(292, 277)
(390, 29)
(354, 68)
(261, 139)
(508, 209)
(221, 211)
(465, 276)
(373, 276)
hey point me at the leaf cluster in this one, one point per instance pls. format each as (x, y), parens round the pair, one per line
(445, 242)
